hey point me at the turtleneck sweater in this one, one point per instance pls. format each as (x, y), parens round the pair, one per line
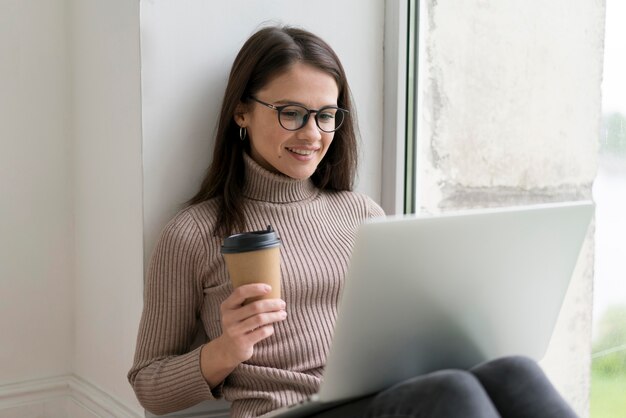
(187, 281)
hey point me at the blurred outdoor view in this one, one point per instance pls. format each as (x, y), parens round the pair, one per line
(608, 381)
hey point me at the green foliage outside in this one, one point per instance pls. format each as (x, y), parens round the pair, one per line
(613, 136)
(608, 396)
(609, 348)
(608, 377)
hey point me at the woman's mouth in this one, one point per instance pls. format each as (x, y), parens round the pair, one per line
(299, 151)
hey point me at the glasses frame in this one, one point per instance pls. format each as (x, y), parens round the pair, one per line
(306, 117)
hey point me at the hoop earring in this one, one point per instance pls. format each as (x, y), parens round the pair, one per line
(242, 133)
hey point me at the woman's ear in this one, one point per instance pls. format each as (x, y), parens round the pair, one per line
(241, 115)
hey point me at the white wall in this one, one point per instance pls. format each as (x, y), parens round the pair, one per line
(71, 229)
(35, 192)
(108, 195)
(70, 212)
(188, 47)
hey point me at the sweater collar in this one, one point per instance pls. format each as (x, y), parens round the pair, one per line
(264, 185)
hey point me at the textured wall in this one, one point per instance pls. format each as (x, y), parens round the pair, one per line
(511, 116)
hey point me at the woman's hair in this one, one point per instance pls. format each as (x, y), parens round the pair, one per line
(265, 55)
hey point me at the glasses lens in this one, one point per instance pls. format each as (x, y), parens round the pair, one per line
(292, 117)
(329, 119)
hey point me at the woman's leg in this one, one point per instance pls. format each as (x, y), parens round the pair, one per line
(446, 393)
(352, 409)
(518, 388)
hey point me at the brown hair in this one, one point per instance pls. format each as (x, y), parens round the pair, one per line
(266, 54)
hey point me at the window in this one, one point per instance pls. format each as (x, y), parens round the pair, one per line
(608, 383)
(503, 113)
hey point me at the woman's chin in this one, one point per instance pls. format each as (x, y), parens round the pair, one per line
(300, 174)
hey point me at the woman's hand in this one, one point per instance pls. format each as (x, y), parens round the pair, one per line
(242, 327)
(245, 325)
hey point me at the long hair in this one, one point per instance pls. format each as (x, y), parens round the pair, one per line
(266, 54)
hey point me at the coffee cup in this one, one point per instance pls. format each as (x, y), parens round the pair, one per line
(254, 257)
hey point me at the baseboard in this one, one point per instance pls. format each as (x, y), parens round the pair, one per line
(94, 399)
(33, 392)
(90, 400)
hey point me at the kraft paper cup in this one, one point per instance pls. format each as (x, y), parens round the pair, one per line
(254, 257)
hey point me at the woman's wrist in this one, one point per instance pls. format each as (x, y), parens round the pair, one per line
(215, 363)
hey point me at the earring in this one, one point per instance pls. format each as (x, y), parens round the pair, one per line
(242, 133)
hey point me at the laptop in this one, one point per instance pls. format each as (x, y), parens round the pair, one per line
(424, 293)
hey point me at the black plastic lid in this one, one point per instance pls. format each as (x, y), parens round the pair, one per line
(251, 241)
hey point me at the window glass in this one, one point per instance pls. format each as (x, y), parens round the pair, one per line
(411, 106)
(608, 382)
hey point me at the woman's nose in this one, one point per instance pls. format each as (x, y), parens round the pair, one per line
(310, 130)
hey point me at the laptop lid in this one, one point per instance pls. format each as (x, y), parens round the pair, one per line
(424, 293)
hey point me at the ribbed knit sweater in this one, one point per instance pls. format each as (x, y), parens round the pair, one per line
(187, 281)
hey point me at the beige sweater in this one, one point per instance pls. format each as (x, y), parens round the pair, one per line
(188, 280)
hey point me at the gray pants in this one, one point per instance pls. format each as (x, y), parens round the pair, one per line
(511, 387)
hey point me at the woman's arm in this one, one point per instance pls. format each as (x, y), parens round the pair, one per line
(165, 375)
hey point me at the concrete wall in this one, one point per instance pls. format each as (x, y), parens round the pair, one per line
(511, 112)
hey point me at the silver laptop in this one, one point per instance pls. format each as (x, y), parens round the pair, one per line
(424, 293)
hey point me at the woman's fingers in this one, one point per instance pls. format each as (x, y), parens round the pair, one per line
(241, 293)
(233, 312)
(242, 337)
(249, 318)
(261, 320)
(260, 334)
(245, 325)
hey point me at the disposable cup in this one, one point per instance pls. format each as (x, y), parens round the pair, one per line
(254, 257)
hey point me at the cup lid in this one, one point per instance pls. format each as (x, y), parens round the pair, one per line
(251, 241)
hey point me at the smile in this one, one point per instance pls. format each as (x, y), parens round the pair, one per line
(301, 151)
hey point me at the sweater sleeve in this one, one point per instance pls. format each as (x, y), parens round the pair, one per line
(374, 210)
(166, 375)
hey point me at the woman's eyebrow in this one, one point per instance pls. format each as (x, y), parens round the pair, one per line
(288, 102)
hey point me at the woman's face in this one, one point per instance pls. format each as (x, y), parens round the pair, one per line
(293, 153)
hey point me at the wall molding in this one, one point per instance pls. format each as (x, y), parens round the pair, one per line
(33, 391)
(70, 387)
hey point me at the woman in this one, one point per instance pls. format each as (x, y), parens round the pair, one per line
(285, 155)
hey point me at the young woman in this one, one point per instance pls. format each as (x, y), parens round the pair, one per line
(285, 155)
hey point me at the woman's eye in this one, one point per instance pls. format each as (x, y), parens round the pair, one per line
(326, 116)
(290, 113)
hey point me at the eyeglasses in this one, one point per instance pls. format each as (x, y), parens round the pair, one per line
(293, 117)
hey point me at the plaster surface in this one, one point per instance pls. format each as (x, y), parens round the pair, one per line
(511, 116)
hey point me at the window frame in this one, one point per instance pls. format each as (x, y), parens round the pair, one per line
(401, 106)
